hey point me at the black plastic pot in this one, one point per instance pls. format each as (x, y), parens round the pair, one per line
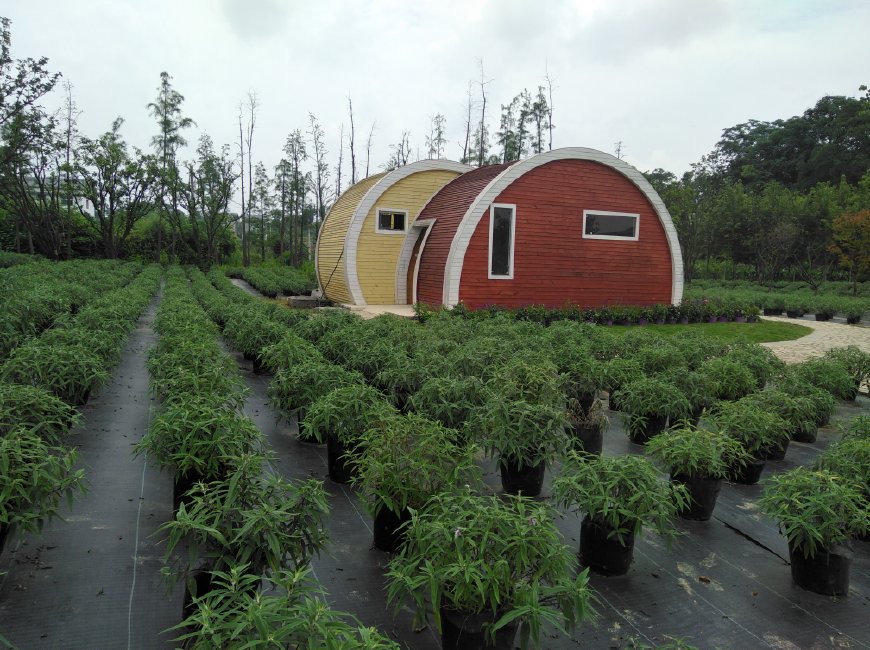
(340, 470)
(387, 523)
(602, 554)
(775, 452)
(587, 438)
(655, 424)
(799, 435)
(526, 480)
(772, 311)
(463, 631)
(827, 572)
(703, 493)
(4, 533)
(794, 313)
(747, 474)
(258, 366)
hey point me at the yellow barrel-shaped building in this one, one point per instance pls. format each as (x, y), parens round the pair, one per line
(368, 245)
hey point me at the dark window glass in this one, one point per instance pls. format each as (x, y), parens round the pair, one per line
(388, 220)
(502, 234)
(611, 225)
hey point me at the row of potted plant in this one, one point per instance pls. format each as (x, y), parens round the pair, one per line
(40, 384)
(231, 514)
(688, 311)
(274, 280)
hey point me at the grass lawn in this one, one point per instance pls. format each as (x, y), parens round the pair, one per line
(760, 332)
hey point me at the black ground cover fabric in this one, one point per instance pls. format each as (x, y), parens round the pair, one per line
(73, 585)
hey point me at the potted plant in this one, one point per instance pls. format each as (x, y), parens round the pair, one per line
(448, 399)
(404, 461)
(698, 459)
(796, 412)
(619, 495)
(290, 613)
(818, 512)
(587, 426)
(247, 518)
(525, 437)
(35, 477)
(35, 409)
(340, 418)
(698, 389)
(829, 375)
(756, 430)
(297, 387)
(761, 362)
(648, 405)
(481, 566)
(732, 379)
(287, 352)
(68, 371)
(856, 362)
(615, 374)
(821, 401)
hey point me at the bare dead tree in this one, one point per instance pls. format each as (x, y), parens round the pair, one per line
(468, 107)
(618, 149)
(351, 143)
(321, 170)
(253, 104)
(340, 161)
(550, 124)
(71, 113)
(481, 153)
(369, 147)
(245, 258)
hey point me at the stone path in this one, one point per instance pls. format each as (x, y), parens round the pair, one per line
(825, 335)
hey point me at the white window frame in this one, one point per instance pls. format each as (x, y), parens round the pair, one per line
(390, 232)
(614, 214)
(513, 208)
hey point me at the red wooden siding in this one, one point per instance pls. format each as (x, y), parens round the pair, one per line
(553, 264)
(447, 207)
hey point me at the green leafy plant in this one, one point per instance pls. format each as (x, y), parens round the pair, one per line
(732, 379)
(476, 554)
(645, 399)
(519, 432)
(301, 385)
(751, 425)
(797, 412)
(35, 409)
(346, 413)
(857, 427)
(199, 435)
(622, 493)
(697, 452)
(829, 375)
(407, 459)
(821, 401)
(850, 458)
(815, 508)
(450, 400)
(289, 351)
(34, 478)
(292, 614)
(68, 371)
(854, 360)
(247, 518)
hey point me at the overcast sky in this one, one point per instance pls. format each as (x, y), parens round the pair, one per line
(665, 77)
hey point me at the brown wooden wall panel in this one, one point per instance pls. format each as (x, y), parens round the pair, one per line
(447, 207)
(553, 264)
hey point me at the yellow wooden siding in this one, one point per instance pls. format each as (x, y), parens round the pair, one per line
(330, 260)
(377, 253)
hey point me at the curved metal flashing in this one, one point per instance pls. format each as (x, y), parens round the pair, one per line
(475, 212)
(368, 201)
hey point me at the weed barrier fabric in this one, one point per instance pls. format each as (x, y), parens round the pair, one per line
(85, 582)
(724, 583)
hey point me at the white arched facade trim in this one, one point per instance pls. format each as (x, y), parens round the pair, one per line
(371, 197)
(475, 212)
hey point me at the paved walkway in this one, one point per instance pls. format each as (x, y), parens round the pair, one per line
(825, 335)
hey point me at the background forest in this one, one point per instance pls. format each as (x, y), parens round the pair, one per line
(787, 199)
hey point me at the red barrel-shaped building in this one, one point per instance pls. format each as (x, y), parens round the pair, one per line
(571, 225)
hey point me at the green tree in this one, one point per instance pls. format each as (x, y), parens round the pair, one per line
(211, 180)
(117, 186)
(851, 243)
(167, 110)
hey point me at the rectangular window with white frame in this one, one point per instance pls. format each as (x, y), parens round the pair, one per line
(502, 218)
(601, 224)
(391, 222)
